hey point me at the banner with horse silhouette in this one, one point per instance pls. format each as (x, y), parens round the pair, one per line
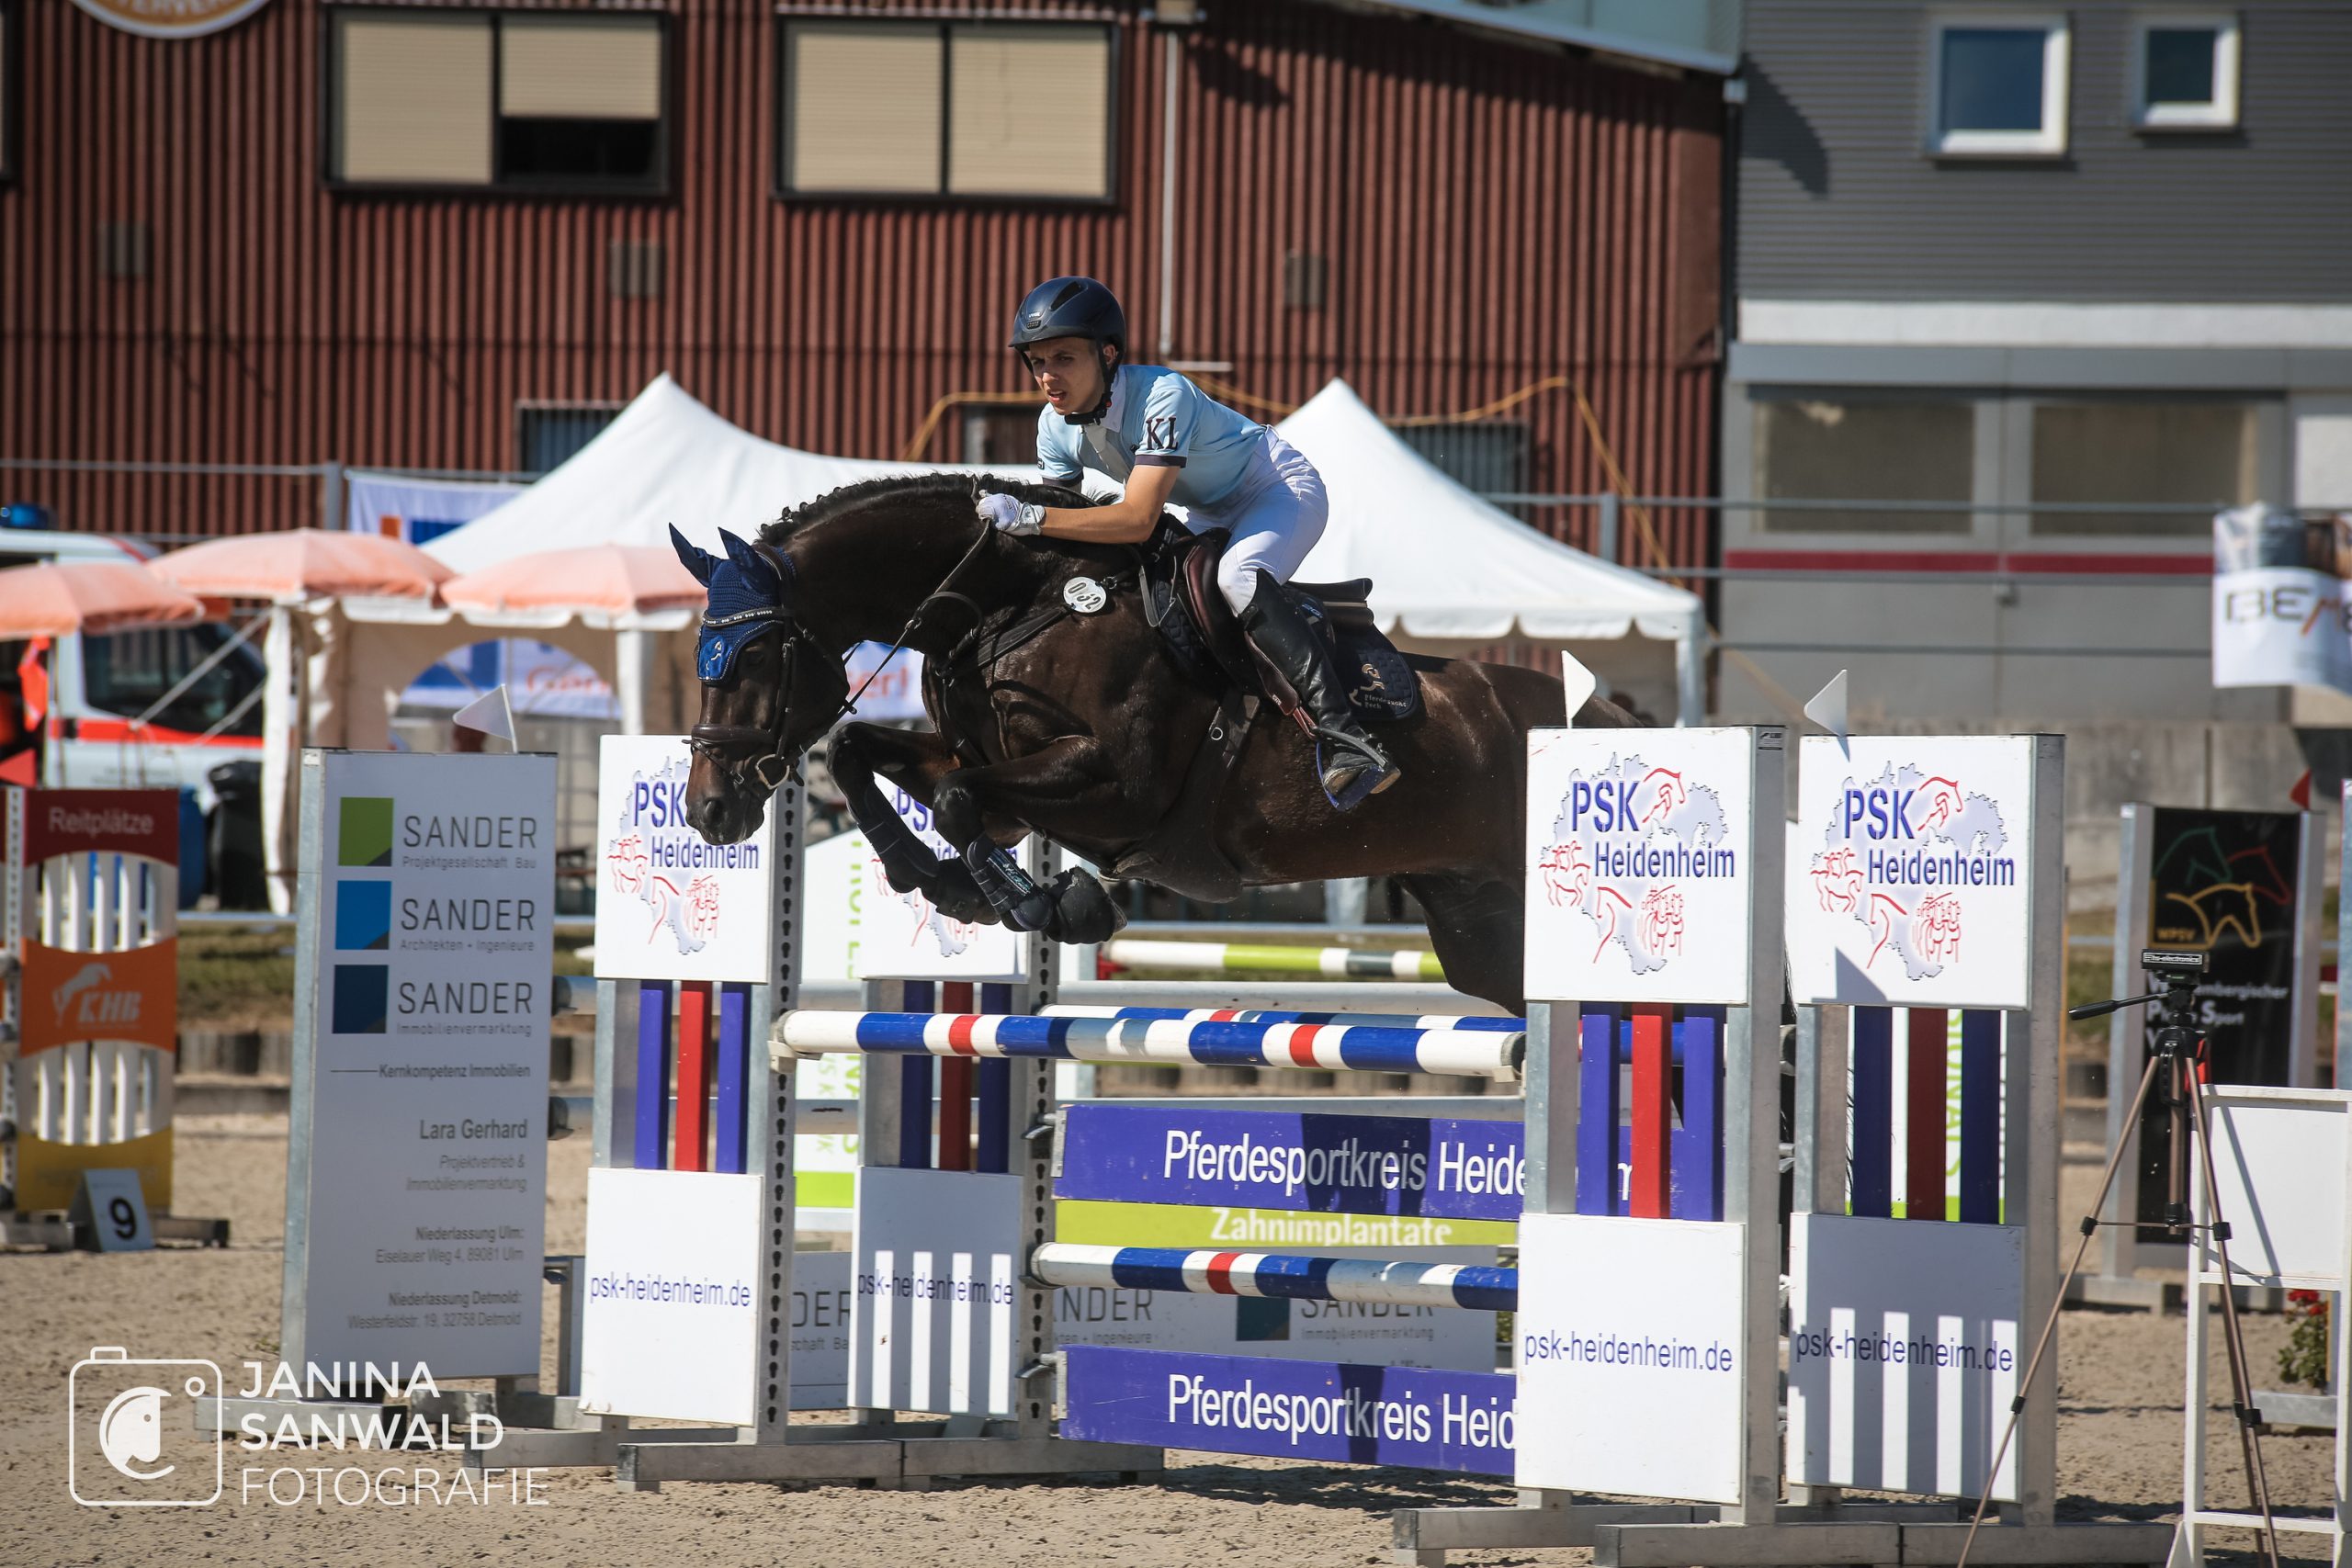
(2233, 885)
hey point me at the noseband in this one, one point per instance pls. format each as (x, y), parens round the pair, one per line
(745, 749)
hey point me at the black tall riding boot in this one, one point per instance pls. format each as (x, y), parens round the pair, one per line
(1353, 765)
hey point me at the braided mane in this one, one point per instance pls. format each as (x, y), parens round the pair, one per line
(907, 488)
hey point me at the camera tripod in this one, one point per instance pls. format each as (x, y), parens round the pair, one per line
(2174, 1075)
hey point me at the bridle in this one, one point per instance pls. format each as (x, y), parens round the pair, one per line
(750, 749)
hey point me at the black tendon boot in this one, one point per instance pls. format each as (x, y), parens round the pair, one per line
(1354, 767)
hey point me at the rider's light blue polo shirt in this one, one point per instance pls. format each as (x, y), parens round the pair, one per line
(1157, 418)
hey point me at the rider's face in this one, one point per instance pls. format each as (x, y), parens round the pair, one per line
(1068, 372)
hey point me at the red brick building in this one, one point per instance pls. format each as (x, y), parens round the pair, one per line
(445, 236)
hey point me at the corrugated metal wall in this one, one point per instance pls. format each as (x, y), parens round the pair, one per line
(1488, 214)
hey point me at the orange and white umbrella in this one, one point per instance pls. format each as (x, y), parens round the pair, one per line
(602, 585)
(290, 569)
(298, 565)
(98, 596)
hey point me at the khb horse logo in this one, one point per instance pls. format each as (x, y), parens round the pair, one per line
(1896, 853)
(1626, 842)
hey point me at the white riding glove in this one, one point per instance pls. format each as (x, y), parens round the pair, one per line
(1010, 513)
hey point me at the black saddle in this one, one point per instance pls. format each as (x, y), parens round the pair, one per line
(1181, 598)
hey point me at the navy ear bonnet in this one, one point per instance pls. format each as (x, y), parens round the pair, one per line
(746, 599)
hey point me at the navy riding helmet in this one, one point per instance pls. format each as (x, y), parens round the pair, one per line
(1072, 306)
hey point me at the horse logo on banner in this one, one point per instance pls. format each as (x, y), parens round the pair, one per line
(1896, 851)
(645, 863)
(1626, 842)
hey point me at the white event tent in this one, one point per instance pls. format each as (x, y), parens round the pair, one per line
(667, 459)
(1449, 572)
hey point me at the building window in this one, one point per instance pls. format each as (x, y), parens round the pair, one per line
(2185, 72)
(2107, 456)
(550, 434)
(1847, 448)
(946, 109)
(527, 101)
(1998, 86)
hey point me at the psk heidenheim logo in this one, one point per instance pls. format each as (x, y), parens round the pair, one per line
(656, 858)
(1626, 839)
(1898, 852)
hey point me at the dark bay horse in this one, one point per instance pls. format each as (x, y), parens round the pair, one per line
(1084, 728)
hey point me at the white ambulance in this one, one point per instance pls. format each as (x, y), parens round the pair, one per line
(122, 708)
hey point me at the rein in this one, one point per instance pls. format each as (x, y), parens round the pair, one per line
(763, 749)
(976, 652)
(915, 621)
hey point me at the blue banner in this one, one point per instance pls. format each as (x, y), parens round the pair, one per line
(1441, 1167)
(1336, 1411)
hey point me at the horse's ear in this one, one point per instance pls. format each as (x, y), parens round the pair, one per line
(699, 561)
(758, 570)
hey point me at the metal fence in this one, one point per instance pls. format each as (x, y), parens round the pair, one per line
(1597, 523)
(1628, 530)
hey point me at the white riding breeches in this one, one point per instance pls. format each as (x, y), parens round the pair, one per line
(1276, 514)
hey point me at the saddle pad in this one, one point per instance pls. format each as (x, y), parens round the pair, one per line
(1381, 686)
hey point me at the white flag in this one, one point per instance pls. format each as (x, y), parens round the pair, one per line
(488, 715)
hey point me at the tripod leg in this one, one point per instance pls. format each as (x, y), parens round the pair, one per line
(2233, 1334)
(2057, 1305)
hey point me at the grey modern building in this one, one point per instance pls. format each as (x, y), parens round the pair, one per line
(2024, 292)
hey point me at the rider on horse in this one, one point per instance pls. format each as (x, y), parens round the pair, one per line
(1165, 440)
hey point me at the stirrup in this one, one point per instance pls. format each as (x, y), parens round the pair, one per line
(1371, 774)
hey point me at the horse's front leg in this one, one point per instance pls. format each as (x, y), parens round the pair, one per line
(915, 761)
(1071, 776)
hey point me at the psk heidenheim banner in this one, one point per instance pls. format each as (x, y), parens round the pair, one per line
(416, 1232)
(1907, 871)
(671, 906)
(2279, 600)
(1638, 874)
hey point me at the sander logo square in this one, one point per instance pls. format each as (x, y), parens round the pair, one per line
(364, 833)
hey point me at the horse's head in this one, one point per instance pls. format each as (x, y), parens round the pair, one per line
(769, 689)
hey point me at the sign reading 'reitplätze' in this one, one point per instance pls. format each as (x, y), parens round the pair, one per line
(1908, 871)
(1640, 863)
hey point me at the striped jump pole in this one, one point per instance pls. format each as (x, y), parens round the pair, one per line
(1279, 1015)
(1208, 1271)
(1262, 958)
(1488, 1054)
